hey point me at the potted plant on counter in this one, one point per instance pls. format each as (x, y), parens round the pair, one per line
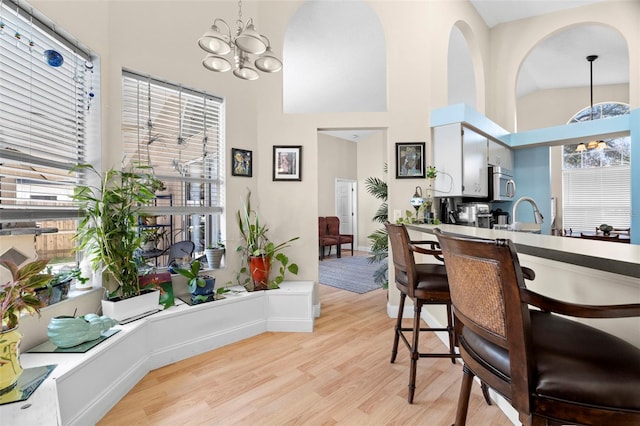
(17, 296)
(108, 234)
(258, 253)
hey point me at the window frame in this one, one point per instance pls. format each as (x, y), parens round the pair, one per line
(164, 125)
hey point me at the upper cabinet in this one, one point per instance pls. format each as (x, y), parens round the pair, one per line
(500, 155)
(460, 156)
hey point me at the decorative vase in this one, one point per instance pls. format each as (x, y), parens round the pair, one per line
(10, 368)
(214, 257)
(260, 266)
(124, 309)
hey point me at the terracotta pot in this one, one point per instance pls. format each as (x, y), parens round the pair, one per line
(10, 368)
(260, 266)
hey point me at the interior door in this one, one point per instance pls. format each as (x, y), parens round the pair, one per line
(346, 197)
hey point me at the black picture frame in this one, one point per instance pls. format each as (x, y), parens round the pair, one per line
(241, 162)
(287, 162)
(410, 160)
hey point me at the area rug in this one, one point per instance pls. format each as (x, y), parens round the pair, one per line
(351, 273)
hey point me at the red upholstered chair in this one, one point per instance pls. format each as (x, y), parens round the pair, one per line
(324, 240)
(552, 369)
(333, 222)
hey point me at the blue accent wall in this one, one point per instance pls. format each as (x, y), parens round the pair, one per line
(533, 179)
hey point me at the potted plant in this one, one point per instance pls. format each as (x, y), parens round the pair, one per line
(380, 238)
(57, 288)
(214, 253)
(108, 233)
(150, 238)
(258, 253)
(200, 286)
(17, 296)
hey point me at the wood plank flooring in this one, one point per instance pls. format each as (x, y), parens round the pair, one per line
(338, 375)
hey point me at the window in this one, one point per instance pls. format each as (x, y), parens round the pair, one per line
(596, 183)
(179, 134)
(45, 82)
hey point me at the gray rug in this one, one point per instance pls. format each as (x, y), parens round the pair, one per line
(351, 273)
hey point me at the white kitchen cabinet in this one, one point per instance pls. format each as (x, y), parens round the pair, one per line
(460, 156)
(500, 155)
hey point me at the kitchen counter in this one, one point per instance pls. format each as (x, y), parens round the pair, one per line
(617, 258)
(575, 270)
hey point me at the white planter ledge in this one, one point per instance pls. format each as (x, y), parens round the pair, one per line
(84, 387)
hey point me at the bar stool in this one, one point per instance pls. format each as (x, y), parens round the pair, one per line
(425, 284)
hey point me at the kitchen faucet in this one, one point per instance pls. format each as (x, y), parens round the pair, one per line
(527, 227)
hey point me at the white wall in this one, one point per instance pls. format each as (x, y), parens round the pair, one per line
(372, 156)
(337, 158)
(512, 42)
(159, 38)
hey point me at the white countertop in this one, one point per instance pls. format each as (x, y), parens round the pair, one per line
(613, 257)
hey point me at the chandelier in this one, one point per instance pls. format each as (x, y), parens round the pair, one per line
(591, 144)
(246, 41)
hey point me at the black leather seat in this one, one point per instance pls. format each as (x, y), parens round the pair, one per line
(553, 369)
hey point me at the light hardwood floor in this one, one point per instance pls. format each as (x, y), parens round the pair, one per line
(338, 375)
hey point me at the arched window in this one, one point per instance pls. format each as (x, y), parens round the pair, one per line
(596, 182)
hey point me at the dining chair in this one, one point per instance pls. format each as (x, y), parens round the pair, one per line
(324, 240)
(424, 284)
(552, 369)
(333, 223)
(179, 250)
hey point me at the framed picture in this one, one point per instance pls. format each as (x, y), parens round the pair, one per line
(242, 162)
(410, 160)
(287, 162)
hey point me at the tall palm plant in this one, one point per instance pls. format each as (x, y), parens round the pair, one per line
(379, 239)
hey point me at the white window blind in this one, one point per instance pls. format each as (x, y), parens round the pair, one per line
(42, 118)
(594, 196)
(179, 133)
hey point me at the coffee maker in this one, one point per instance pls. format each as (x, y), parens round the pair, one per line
(447, 211)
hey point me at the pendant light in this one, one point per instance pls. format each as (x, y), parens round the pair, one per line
(591, 144)
(240, 45)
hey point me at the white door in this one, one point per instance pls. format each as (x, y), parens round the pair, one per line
(346, 201)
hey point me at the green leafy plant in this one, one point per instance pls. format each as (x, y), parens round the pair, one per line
(107, 232)
(193, 276)
(18, 294)
(379, 239)
(152, 235)
(196, 280)
(256, 243)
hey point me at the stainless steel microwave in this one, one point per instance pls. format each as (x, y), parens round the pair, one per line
(502, 187)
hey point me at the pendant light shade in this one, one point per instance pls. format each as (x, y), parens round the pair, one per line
(216, 63)
(250, 41)
(268, 62)
(245, 41)
(246, 73)
(581, 147)
(213, 41)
